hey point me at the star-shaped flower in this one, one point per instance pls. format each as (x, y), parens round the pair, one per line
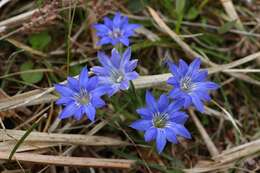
(190, 83)
(115, 31)
(80, 96)
(162, 121)
(116, 71)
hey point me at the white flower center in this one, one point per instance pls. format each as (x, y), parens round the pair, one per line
(160, 120)
(186, 84)
(117, 76)
(82, 98)
(116, 33)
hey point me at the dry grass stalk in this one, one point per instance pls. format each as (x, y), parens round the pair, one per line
(232, 14)
(227, 158)
(209, 143)
(3, 2)
(7, 146)
(26, 48)
(69, 161)
(10, 135)
(238, 152)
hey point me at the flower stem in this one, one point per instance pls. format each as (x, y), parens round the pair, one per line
(119, 48)
(139, 102)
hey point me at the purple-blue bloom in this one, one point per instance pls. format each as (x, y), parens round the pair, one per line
(190, 83)
(115, 31)
(116, 71)
(162, 121)
(80, 96)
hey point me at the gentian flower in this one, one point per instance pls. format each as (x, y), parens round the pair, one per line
(117, 71)
(80, 96)
(115, 31)
(190, 83)
(162, 121)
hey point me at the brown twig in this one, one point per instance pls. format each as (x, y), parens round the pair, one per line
(7, 135)
(69, 161)
(227, 158)
(209, 143)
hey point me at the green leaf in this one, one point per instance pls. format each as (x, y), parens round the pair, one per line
(33, 77)
(226, 27)
(137, 5)
(180, 4)
(75, 70)
(40, 41)
(192, 13)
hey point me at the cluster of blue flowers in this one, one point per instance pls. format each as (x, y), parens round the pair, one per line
(161, 119)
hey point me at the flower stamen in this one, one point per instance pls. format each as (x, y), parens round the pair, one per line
(160, 120)
(83, 97)
(186, 84)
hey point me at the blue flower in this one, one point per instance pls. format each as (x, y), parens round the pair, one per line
(117, 71)
(80, 96)
(161, 121)
(115, 31)
(190, 83)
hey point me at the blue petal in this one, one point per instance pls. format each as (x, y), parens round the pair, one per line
(174, 81)
(90, 111)
(178, 117)
(79, 113)
(108, 22)
(126, 57)
(102, 28)
(203, 95)
(68, 111)
(100, 71)
(171, 136)
(64, 100)
(131, 65)
(83, 77)
(207, 85)
(200, 76)
(131, 27)
(124, 40)
(97, 102)
(104, 60)
(131, 75)
(64, 90)
(114, 41)
(194, 67)
(175, 106)
(113, 89)
(163, 102)
(117, 20)
(105, 80)
(92, 83)
(124, 20)
(104, 40)
(115, 58)
(180, 130)
(176, 93)
(150, 101)
(124, 85)
(100, 90)
(142, 125)
(150, 134)
(160, 140)
(145, 113)
(187, 101)
(183, 66)
(73, 83)
(197, 102)
(174, 70)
